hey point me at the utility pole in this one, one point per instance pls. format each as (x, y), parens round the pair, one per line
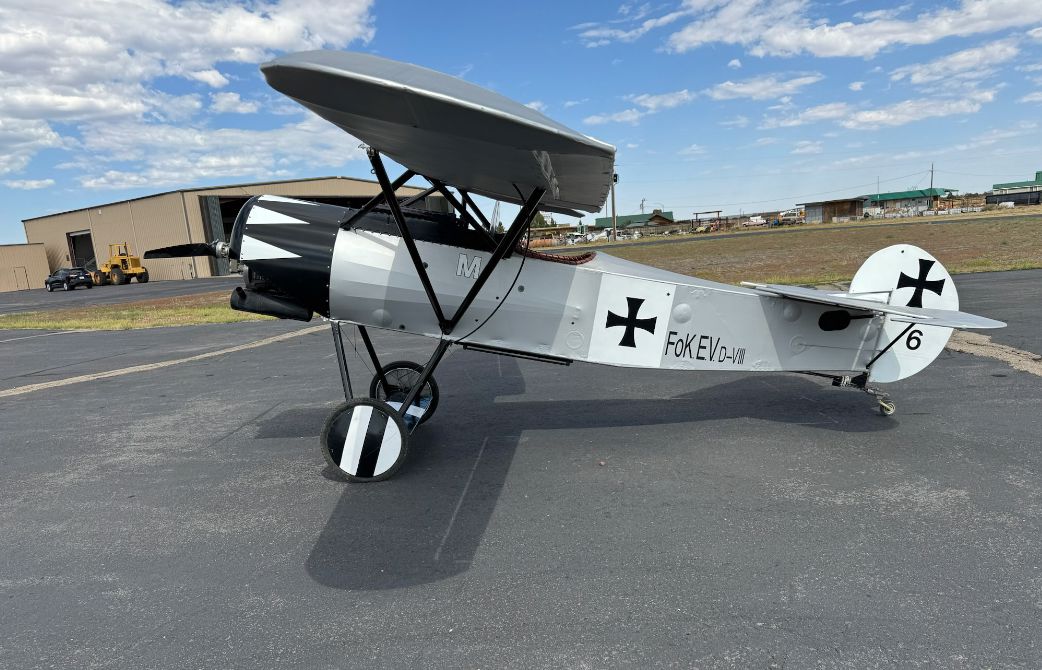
(931, 186)
(614, 219)
(642, 205)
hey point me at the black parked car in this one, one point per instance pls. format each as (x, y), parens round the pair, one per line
(68, 279)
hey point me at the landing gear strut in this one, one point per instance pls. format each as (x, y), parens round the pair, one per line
(886, 406)
(404, 394)
(393, 383)
(366, 439)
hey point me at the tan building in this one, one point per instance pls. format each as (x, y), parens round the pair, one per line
(22, 266)
(81, 237)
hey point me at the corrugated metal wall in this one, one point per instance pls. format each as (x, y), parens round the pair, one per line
(22, 266)
(170, 218)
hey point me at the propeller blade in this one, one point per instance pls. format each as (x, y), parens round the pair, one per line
(182, 251)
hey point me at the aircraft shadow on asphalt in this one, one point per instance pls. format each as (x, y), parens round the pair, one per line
(426, 523)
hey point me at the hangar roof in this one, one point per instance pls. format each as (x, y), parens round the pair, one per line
(215, 188)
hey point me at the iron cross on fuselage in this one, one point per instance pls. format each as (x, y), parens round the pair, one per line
(631, 322)
(920, 283)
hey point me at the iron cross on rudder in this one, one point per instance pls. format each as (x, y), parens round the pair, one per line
(920, 283)
(631, 322)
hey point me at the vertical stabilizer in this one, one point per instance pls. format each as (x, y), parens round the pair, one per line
(908, 276)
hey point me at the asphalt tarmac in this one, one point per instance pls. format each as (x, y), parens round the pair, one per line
(548, 516)
(39, 299)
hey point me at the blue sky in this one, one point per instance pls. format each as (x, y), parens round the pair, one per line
(744, 105)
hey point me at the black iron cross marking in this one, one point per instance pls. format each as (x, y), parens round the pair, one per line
(631, 322)
(920, 283)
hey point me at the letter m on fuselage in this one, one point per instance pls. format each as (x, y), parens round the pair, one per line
(468, 267)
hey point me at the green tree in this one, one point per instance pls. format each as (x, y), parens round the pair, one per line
(540, 221)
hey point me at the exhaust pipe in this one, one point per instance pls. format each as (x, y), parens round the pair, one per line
(245, 300)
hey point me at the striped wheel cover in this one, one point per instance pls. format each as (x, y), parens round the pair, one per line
(364, 441)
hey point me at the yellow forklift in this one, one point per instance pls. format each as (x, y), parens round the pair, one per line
(121, 267)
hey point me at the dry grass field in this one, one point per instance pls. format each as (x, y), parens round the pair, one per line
(180, 311)
(816, 255)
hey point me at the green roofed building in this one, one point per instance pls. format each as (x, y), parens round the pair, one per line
(1017, 192)
(655, 218)
(916, 200)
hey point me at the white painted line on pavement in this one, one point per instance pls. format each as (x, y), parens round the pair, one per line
(29, 388)
(29, 337)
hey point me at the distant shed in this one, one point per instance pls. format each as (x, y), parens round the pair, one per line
(910, 202)
(22, 266)
(826, 211)
(655, 218)
(1018, 192)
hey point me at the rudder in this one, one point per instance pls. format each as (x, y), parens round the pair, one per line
(906, 275)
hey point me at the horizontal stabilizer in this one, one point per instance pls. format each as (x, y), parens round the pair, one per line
(929, 317)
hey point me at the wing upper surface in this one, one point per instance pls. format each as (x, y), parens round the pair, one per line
(449, 129)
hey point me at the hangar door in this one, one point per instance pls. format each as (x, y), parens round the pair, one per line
(81, 250)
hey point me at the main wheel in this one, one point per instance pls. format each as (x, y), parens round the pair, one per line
(65, 286)
(887, 407)
(116, 276)
(401, 376)
(365, 440)
(143, 277)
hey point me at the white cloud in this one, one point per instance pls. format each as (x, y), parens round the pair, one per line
(649, 104)
(910, 111)
(230, 103)
(764, 87)
(210, 77)
(856, 85)
(537, 105)
(832, 110)
(1032, 97)
(765, 141)
(658, 102)
(625, 116)
(808, 147)
(76, 63)
(736, 122)
(572, 103)
(28, 184)
(985, 139)
(898, 114)
(789, 27)
(693, 150)
(735, 64)
(133, 153)
(968, 64)
(598, 35)
(20, 139)
(879, 14)
(1034, 67)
